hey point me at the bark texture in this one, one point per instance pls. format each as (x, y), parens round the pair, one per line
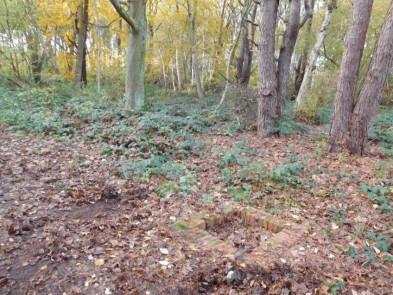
(267, 98)
(274, 82)
(346, 87)
(192, 10)
(136, 19)
(136, 48)
(286, 51)
(36, 59)
(178, 71)
(98, 47)
(372, 89)
(244, 62)
(80, 78)
(302, 63)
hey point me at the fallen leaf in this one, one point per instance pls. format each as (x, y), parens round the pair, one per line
(99, 262)
(164, 251)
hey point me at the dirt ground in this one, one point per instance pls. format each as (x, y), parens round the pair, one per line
(71, 225)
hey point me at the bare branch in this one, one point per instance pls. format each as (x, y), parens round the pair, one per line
(125, 16)
(325, 54)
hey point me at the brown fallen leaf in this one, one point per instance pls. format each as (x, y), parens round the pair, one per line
(99, 262)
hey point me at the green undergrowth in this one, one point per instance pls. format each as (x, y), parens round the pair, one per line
(382, 131)
(156, 142)
(381, 195)
(376, 248)
(247, 177)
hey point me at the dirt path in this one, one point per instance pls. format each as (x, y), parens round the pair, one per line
(69, 226)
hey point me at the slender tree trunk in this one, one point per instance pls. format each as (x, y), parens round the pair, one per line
(299, 73)
(219, 43)
(187, 65)
(36, 60)
(98, 47)
(136, 48)
(302, 64)
(118, 39)
(371, 92)
(233, 50)
(267, 99)
(195, 65)
(244, 49)
(164, 74)
(178, 72)
(301, 98)
(286, 51)
(301, 67)
(173, 77)
(244, 61)
(80, 67)
(346, 86)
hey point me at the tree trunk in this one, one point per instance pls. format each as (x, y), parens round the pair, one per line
(164, 74)
(267, 99)
(195, 66)
(36, 60)
(346, 86)
(218, 43)
(244, 61)
(233, 50)
(98, 47)
(301, 67)
(178, 72)
(371, 92)
(136, 48)
(299, 73)
(286, 50)
(80, 78)
(301, 98)
(173, 77)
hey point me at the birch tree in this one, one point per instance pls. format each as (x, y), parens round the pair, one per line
(301, 98)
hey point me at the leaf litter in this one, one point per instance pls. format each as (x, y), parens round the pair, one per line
(71, 224)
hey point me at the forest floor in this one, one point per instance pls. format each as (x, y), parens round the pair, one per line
(78, 217)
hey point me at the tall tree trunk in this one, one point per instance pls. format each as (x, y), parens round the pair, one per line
(267, 99)
(173, 77)
(36, 60)
(98, 47)
(286, 51)
(195, 65)
(244, 61)
(178, 72)
(346, 86)
(236, 38)
(219, 43)
(118, 39)
(301, 98)
(80, 78)
(301, 67)
(136, 49)
(371, 92)
(164, 74)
